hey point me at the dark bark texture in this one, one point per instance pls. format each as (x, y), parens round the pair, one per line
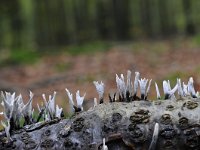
(123, 125)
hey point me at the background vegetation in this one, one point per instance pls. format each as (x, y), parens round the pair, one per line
(40, 24)
(48, 45)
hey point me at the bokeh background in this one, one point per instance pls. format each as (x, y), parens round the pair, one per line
(50, 45)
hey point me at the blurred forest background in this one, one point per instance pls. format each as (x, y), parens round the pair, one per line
(46, 23)
(48, 45)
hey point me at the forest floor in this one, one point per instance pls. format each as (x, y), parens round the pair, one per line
(156, 60)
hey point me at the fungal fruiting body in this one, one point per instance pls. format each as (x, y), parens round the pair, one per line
(128, 121)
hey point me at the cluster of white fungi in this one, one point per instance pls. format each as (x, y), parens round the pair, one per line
(15, 109)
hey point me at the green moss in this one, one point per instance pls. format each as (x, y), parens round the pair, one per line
(88, 48)
(20, 56)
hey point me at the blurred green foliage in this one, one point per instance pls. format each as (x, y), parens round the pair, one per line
(20, 56)
(39, 24)
(23, 56)
(87, 48)
(31, 28)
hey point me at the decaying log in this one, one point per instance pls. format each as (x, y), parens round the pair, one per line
(127, 122)
(123, 125)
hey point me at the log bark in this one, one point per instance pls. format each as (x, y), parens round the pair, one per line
(123, 125)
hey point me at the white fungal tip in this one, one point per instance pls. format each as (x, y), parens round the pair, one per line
(44, 98)
(121, 86)
(12, 106)
(100, 88)
(51, 105)
(129, 84)
(31, 94)
(168, 92)
(191, 87)
(122, 77)
(143, 84)
(169, 85)
(95, 102)
(32, 112)
(58, 112)
(155, 137)
(157, 91)
(79, 100)
(104, 145)
(172, 92)
(180, 90)
(148, 88)
(197, 94)
(137, 76)
(165, 87)
(70, 96)
(185, 89)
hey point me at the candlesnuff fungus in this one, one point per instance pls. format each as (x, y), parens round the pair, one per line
(100, 89)
(128, 121)
(79, 101)
(157, 91)
(52, 111)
